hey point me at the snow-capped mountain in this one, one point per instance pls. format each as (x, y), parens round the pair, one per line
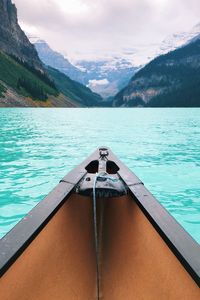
(105, 77)
(132, 59)
(110, 72)
(179, 39)
(142, 55)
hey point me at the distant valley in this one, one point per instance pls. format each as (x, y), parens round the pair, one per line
(104, 76)
(108, 76)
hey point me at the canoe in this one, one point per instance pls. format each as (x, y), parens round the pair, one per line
(100, 234)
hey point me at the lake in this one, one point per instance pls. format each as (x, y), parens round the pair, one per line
(39, 146)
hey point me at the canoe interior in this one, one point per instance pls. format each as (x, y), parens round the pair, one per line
(135, 263)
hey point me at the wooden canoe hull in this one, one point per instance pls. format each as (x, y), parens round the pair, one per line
(60, 262)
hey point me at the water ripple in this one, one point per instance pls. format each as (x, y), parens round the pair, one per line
(39, 146)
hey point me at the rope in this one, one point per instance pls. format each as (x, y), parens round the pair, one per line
(96, 236)
(102, 175)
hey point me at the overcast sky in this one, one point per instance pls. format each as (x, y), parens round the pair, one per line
(78, 27)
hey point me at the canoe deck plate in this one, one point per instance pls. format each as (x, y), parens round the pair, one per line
(107, 183)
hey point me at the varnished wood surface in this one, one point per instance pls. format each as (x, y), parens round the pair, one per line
(135, 263)
(60, 263)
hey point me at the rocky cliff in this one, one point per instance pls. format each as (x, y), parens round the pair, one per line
(13, 41)
(171, 80)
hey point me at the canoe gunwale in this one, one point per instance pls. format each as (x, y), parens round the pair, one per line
(184, 247)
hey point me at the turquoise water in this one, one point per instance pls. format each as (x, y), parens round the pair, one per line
(39, 146)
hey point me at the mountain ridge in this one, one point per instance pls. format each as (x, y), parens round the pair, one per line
(105, 77)
(170, 80)
(76, 91)
(57, 61)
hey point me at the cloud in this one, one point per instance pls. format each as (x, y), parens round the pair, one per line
(95, 82)
(94, 26)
